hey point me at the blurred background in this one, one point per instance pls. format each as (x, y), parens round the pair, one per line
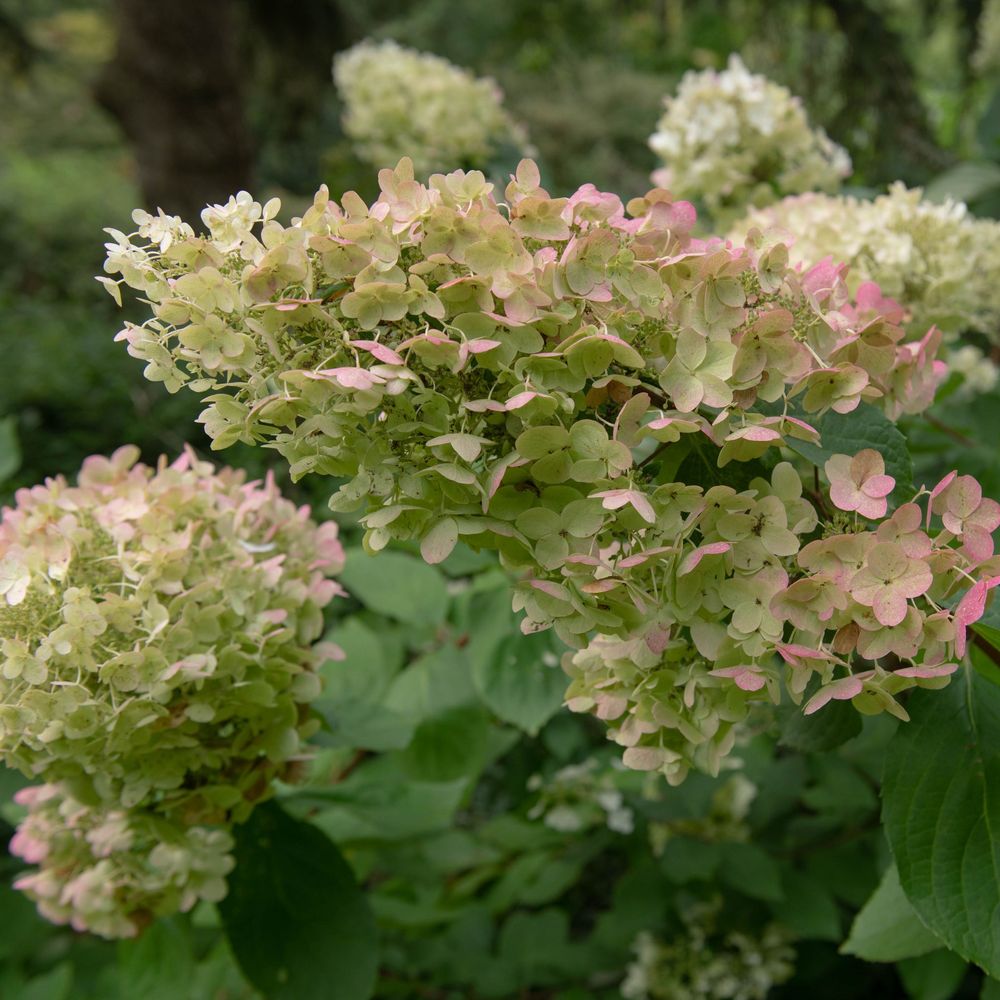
(522, 865)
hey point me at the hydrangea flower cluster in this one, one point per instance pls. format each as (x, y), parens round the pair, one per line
(979, 372)
(546, 378)
(580, 797)
(703, 963)
(734, 139)
(398, 101)
(937, 260)
(155, 665)
(111, 871)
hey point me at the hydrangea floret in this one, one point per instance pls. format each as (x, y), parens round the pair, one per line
(602, 398)
(156, 664)
(937, 260)
(398, 101)
(736, 139)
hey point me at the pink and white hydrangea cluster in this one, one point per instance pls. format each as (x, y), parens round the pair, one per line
(553, 378)
(156, 661)
(938, 260)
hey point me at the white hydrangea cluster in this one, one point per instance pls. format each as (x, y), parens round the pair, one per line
(400, 102)
(156, 663)
(580, 797)
(979, 372)
(733, 138)
(940, 262)
(703, 963)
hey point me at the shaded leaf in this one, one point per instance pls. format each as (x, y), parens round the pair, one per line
(398, 585)
(520, 680)
(296, 920)
(888, 929)
(941, 811)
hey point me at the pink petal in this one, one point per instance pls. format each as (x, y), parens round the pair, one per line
(640, 557)
(745, 678)
(521, 399)
(694, 557)
(380, 351)
(889, 607)
(941, 486)
(843, 690)
(349, 378)
(977, 543)
(484, 405)
(792, 653)
(878, 486)
(481, 345)
(940, 670)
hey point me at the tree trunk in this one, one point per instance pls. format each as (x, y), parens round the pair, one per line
(174, 84)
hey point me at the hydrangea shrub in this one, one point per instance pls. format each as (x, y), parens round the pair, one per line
(602, 398)
(733, 139)
(937, 260)
(398, 101)
(156, 665)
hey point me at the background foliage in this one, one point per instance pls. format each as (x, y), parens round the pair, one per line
(442, 715)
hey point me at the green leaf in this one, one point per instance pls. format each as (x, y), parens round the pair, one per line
(849, 433)
(807, 907)
(520, 680)
(747, 868)
(353, 690)
(397, 585)
(990, 990)
(988, 628)
(932, 977)
(158, 965)
(836, 724)
(10, 450)
(965, 182)
(23, 928)
(941, 811)
(983, 664)
(449, 745)
(686, 859)
(380, 802)
(363, 674)
(888, 929)
(54, 985)
(437, 681)
(364, 725)
(296, 920)
(988, 128)
(218, 976)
